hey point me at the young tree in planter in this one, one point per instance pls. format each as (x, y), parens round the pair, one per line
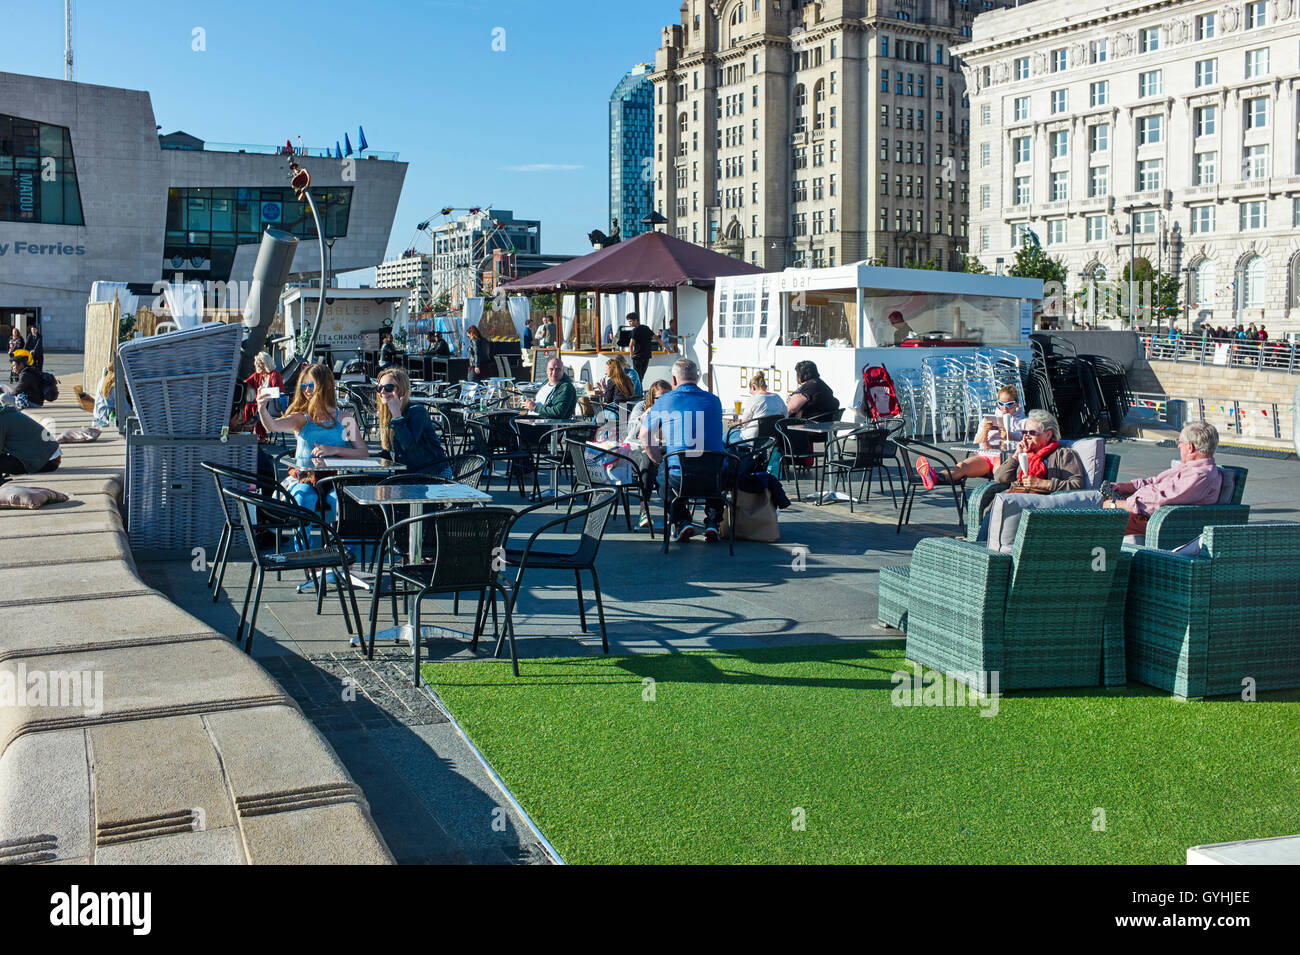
(973, 265)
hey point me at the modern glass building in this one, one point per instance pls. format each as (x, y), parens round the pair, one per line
(631, 150)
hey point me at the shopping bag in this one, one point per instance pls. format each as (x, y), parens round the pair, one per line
(755, 518)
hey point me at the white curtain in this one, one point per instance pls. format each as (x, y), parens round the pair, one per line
(185, 301)
(469, 315)
(519, 314)
(569, 316)
(656, 309)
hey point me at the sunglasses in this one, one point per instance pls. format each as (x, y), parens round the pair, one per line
(1030, 431)
(387, 389)
(1007, 404)
(308, 386)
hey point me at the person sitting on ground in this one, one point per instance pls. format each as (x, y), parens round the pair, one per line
(1052, 466)
(27, 389)
(813, 400)
(558, 398)
(763, 403)
(321, 430)
(989, 438)
(688, 418)
(105, 410)
(25, 446)
(1195, 480)
(406, 432)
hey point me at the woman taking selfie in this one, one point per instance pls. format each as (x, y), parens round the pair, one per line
(264, 375)
(322, 433)
(406, 432)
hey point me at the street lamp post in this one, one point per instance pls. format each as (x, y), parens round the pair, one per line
(1132, 268)
(1187, 296)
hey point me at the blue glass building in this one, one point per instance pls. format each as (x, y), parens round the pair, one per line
(631, 150)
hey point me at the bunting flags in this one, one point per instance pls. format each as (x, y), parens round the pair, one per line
(338, 153)
(347, 143)
(361, 139)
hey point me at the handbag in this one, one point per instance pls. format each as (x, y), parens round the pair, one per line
(756, 518)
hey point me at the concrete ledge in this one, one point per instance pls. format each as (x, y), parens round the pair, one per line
(184, 751)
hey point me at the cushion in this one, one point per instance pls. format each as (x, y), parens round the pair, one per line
(1228, 487)
(30, 498)
(79, 435)
(1004, 516)
(1092, 452)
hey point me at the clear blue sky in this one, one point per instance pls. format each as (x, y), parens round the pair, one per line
(477, 126)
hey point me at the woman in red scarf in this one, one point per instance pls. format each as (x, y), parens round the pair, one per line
(1052, 466)
(264, 375)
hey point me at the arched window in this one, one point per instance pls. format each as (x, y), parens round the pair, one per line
(800, 97)
(819, 100)
(1293, 300)
(1250, 282)
(738, 15)
(1203, 285)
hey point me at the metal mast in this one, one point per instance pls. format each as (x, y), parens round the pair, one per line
(67, 40)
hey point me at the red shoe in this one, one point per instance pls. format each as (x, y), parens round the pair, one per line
(927, 473)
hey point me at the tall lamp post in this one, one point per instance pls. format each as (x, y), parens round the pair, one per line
(1132, 268)
(1188, 272)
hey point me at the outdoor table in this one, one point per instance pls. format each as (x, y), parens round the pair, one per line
(829, 429)
(418, 496)
(548, 424)
(436, 402)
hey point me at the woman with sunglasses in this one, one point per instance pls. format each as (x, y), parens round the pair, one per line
(322, 433)
(1052, 466)
(406, 432)
(989, 437)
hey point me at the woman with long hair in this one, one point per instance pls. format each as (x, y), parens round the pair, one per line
(648, 471)
(265, 375)
(479, 353)
(406, 431)
(322, 432)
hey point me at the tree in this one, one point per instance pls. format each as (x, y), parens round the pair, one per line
(1033, 263)
(544, 302)
(973, 265)
(929, 264)
(443, 303)
(1157, 293)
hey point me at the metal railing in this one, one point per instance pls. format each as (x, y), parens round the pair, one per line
(1273, 355)
(1230, 415)
(313, 152)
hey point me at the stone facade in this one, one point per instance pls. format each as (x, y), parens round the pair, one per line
(817, 134)
(1184, 112)
(411, 270)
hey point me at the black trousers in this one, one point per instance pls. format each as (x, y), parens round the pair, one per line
(641, 363)
(11, 465)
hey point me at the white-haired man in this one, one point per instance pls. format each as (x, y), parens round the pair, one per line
(1195, 480)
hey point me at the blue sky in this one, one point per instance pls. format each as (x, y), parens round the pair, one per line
(524, 129)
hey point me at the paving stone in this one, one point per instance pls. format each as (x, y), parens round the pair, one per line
(209, 847)
(324, 835)
(45, 795)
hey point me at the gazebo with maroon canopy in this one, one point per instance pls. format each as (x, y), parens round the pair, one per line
(650, 263)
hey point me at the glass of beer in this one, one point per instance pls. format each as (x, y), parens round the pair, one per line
(739, 408)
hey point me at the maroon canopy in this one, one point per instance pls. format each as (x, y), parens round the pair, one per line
(650, 261)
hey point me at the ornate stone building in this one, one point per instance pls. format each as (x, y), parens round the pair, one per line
(1177, 119)
(803, 132)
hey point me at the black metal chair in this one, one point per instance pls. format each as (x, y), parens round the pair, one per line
(595, 506)
(755, 454)
(545, 445)
(860, 451)
(704, 475)
(467, 557)
(355, 523)
(764, 427)
(798, 450)
(587, 476)
(909, 446)
(237, 479)
(499, 443)
(330, 556)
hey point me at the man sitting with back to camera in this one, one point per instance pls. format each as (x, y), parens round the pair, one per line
(689, 419)
(1195, 480)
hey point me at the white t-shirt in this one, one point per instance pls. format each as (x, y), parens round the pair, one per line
(761, 406)
(994, 436)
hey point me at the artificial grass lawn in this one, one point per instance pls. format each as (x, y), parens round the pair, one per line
(714, 768)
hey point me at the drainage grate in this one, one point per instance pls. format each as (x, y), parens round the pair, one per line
(345, 691)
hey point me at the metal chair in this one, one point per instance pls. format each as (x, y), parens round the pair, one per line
(755, 454)
(330, 556)
(585, 476)
(797, 448)
(237, 479)
(866, 455)
(906, 446)
(596, 504)
(704, 475)
(354, 523)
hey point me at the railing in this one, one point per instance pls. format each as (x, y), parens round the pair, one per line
(1242, 418)
(314, 152)
(1279, 355)
(1150, 407)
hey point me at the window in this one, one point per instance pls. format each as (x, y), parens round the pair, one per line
(884, 115)
(1098, 181)
(1060, 186)
(1207, 72)
(1202, 219)
(1022, 190)
(1099, 138)
(985, 197)
(1021, 148)
(1254, 215)
(1204, 283)
(1207, 26)
(1251, 282)
(1059, 143)
(1099, 93)
(1256, 15)
(831, 185)
(1056, 231)
(1256, 110)
(884, 183)
(1096, 228)
(1255, 162)
(1149, 129)
(1021, 107)
(1150, 174)
(884, 46)
(1256, 62)
(984, 238)
(1020, 68)
(1019, 232)
(1057, 60)
(884, 81)
(1205, 119)
(1097, 51)
(1150, 83)
(884, 150)
(1059, 101)
(985, 151)
(1206, 171)
(1295, 215)
(986, 115)
(29, 194)
(1149, 40)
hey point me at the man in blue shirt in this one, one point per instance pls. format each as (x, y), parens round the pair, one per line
(688, 418)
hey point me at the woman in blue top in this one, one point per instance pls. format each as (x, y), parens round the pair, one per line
(322, 433)
(405, 429)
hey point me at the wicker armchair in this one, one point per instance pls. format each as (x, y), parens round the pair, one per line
(1031, 616)
(1174, 526)
(981, 497)
(1202, 626)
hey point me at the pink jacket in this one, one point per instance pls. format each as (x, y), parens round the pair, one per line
(1196, 482)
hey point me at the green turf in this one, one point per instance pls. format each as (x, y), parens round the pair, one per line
(733, 743)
